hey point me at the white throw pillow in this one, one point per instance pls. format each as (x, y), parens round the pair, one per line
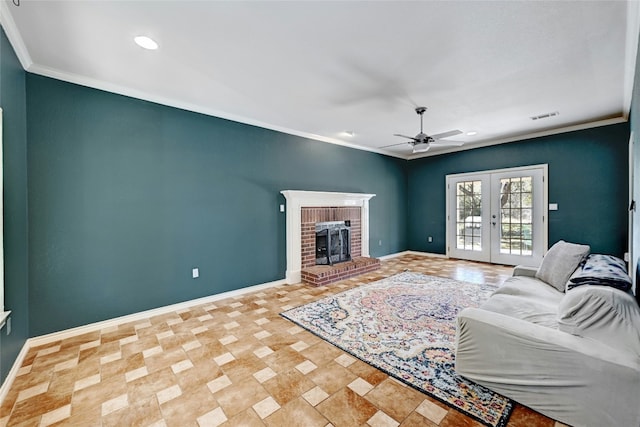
(560, 262)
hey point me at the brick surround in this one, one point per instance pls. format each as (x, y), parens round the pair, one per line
(319, 275)
(323, 214)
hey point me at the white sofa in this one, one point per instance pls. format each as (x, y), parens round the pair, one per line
(573, 356)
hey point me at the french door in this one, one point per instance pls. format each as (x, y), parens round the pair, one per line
(498, 216)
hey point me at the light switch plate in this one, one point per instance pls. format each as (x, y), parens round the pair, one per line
(281, 208)
(195, 273)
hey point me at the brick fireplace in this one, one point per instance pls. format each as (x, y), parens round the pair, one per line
(304, 210)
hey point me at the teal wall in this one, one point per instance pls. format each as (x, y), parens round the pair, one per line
(126, 196)
(588, 179)
(14, 167)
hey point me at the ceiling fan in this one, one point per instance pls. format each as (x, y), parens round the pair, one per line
(422, 142)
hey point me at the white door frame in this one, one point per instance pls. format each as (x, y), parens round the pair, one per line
(539, 244)
(485, 254)
(631, 236)
(470, 176)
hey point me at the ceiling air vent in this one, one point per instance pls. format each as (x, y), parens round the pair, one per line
(545, 116)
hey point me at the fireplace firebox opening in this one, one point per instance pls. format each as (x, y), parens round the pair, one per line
(333, 242)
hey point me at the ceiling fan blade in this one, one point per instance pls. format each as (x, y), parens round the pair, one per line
(395, 145)
(446, 134)
(447, 143)
(404, 136)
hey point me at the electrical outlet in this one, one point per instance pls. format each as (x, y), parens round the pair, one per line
(379, 242)
(195, 273)
(281, 208)
(430, 239)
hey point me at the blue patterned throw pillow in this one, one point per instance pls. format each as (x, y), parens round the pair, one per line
(603, 270)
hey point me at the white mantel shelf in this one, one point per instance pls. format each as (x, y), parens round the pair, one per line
(298, 199)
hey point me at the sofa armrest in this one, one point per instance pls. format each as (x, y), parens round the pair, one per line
(563, 376)
(523, 270)
(533, 338)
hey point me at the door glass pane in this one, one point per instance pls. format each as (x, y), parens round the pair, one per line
(469, 215)
(516, 212)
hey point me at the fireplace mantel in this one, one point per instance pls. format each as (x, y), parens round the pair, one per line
(296, 200)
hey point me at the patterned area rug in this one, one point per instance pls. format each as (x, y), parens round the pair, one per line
(405, 326)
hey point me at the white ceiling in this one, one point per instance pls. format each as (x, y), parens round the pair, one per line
(318, 68)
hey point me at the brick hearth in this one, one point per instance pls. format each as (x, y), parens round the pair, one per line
(319, 275)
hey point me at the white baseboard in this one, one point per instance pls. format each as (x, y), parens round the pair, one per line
(399, 254)
(427, 254)
(67, 333)
(13, 373)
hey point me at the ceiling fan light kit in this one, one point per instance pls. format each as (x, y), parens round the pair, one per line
(420, 147)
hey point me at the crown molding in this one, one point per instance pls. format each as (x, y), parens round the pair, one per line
(133, 93)
(523, 137)
(631, 53)
(170, 102)
(11, 30)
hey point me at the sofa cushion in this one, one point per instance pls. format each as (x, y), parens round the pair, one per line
(605, 270)
(526, 298)
(560, 262)
(530, 287)
(523, 308)
(601, 313)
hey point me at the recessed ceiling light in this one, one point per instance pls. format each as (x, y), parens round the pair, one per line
(146, 42)
(472, 133)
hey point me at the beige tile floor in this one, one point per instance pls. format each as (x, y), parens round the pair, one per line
(235, 362)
